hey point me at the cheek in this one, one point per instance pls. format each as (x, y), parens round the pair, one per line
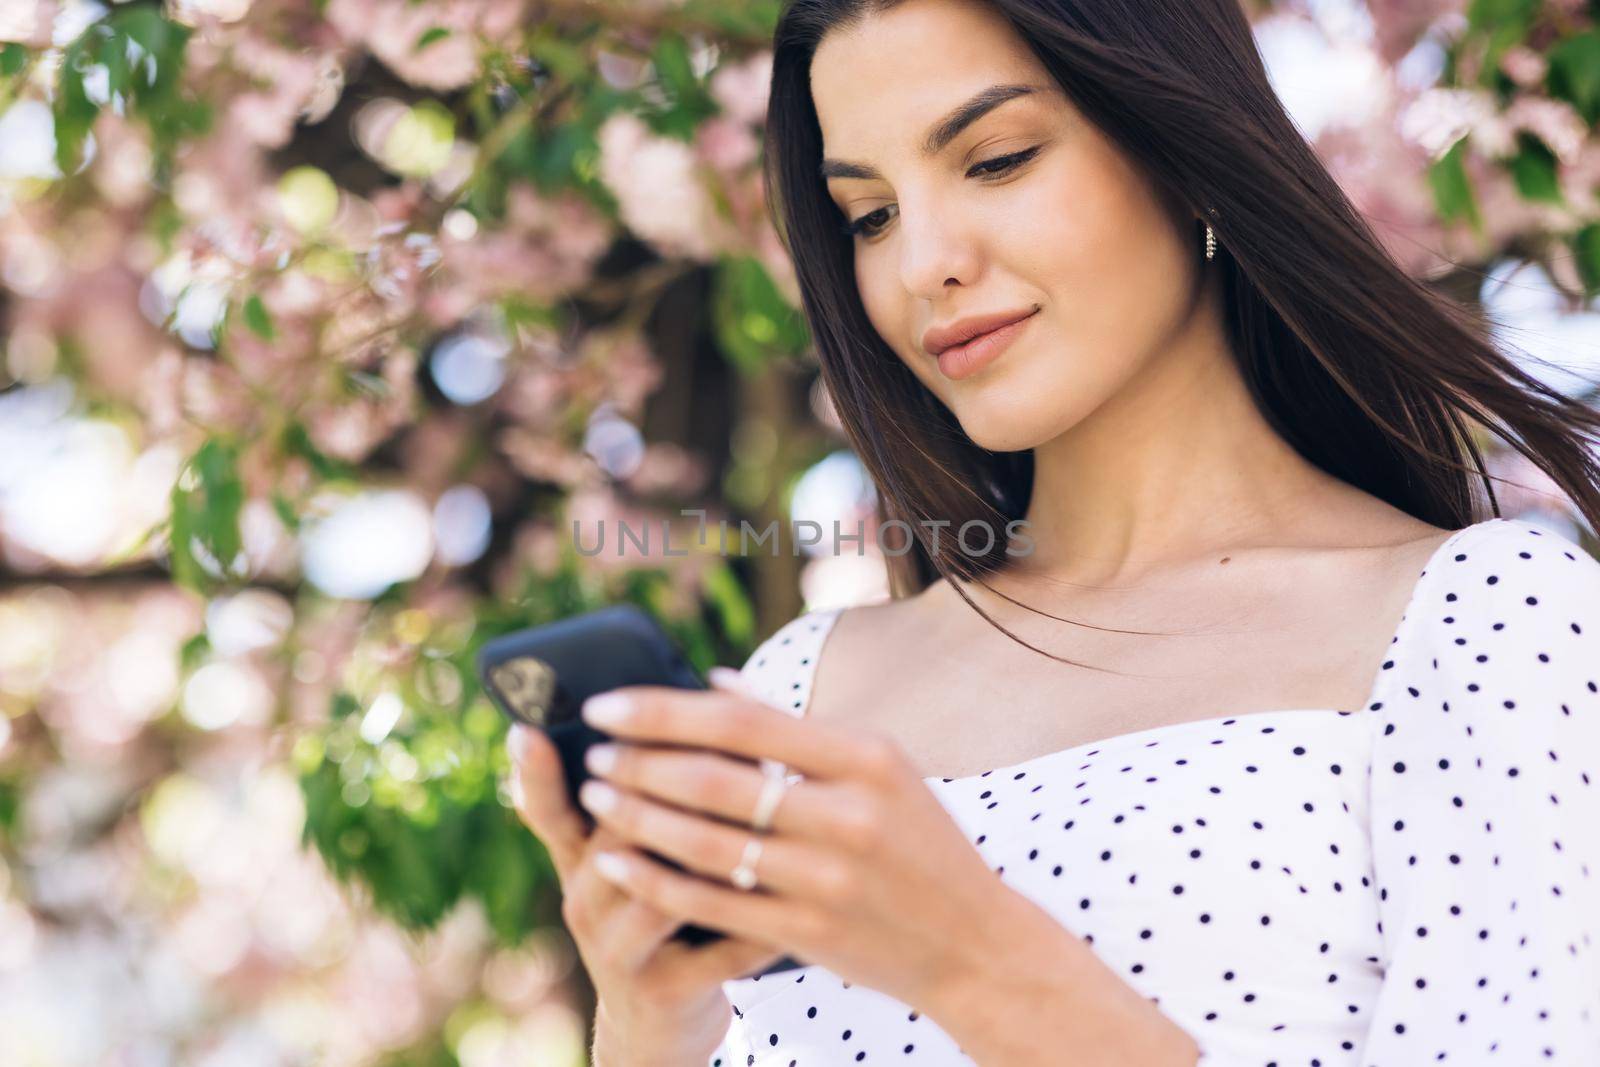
(886, 303)
(1094, 237)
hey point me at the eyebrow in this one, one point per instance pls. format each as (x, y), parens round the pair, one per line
(940, 134)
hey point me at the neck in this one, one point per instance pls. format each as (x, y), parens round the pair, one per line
(1177, 466)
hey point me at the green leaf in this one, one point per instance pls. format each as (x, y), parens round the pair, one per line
(1586, 252)
(218, 467)
(505, 870)
(186, 569)
(520, 310)
(752, 319)
(671, 57)
(194, 651)
(568, 60)
(160, 39)
(206, 503)
(285, 511)
(409, 880)
(1452, 189)
(1506, 23)
(113, 55)
(296, 441)
(342, 706)
(437, 33)
(735, 613)
(13, 57)
(143, 55)
(1534, 171)
(1574, 74)
(688, 101)
(10, 806)
(74, 111)
(259, 319)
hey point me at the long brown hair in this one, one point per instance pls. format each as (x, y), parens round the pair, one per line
(1368, 373)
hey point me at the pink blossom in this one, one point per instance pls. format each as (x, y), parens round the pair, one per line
(1506, 212)
(1580, 180)
(726, 145)
(741, 88)
(1555, 122)
(670, 470)
(28, 22)
(1439, 117)
(1398, 24)
(1524, 66)
(390, 29)
(1382, 174)
(545, 460)
(661, 190)
(1526, 487)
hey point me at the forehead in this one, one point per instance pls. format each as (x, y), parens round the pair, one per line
(895, 72)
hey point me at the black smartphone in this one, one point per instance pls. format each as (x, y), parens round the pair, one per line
(541, 676)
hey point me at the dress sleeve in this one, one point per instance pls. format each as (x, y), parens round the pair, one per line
(1485, 805)
(780, 669)
(730, 1051)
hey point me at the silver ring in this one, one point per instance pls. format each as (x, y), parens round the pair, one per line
(773, 788)
(744, 875)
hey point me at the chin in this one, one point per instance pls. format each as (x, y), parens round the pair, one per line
(1006, 429)
(1027, 412)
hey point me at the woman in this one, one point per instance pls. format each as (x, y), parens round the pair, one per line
(1319, 738)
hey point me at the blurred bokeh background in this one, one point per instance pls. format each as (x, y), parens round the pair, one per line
(321, 324)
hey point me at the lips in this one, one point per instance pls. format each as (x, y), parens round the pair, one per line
(964, 360)
(963, 331)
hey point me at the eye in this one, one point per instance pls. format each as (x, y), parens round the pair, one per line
(864, 225)
(1000, 165)
(986, 170)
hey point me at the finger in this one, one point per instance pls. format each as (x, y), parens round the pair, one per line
(704, 782)
(588, 898)
(539, 795)
(764, 918)
(634, 931)
(713, 849)
(742, 725)
(728, 958)
(624, 930)
(729, 680)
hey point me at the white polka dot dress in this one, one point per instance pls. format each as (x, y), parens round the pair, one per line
(1414, 882)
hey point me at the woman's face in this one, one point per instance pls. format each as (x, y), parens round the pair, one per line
(1067, 227)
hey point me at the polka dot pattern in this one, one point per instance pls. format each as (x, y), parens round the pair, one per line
(1414, 882)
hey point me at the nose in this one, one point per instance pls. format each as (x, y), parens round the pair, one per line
(937, 250)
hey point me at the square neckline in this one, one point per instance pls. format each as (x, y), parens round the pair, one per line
(1402, 628)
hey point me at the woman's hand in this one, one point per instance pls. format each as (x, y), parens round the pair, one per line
(863, 871)
(661, 1001)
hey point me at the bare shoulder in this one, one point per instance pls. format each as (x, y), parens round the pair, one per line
(863, 647)
(1408, 545)
(1414, 541)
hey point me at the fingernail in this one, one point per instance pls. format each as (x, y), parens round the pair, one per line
(601, 758)
(611, 866)
(726, 678)
(606, 709)
(514, 787)
(597, 796)
(517, 741)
